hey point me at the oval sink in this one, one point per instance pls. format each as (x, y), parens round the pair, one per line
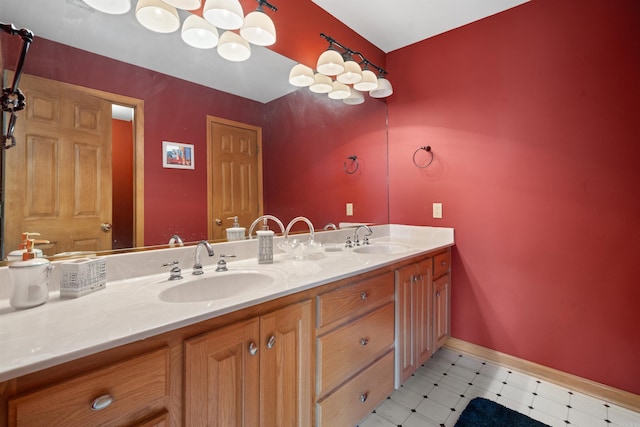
(225, 285)
(382, 248)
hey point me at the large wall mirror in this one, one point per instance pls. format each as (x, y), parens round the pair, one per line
(179, 95)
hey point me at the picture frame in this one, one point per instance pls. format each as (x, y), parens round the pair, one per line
(177, 155)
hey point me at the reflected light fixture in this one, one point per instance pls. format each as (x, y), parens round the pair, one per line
(234, 48)
(353, 75)
(225, 14)
(355, 97)
(339, 91)
(301, 75)
(383, 90)
(321, 84)
(156, 15)
(184, 4)
(112, 7)
(199, 33)
(258, 28)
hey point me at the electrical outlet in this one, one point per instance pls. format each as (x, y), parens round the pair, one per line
(349, 209)
(437, 210)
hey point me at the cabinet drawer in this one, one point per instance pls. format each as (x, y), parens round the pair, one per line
(352, 300)
(346, 350)
(358, 397)
(441, 264)
(137, 388)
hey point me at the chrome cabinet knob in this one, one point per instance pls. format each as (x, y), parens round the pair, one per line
(364, 341)
(363, 296)
(363, 397)
(271, 341)
(101, 402)
(253, 348)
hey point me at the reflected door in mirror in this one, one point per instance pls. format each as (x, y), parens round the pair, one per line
(58, 177)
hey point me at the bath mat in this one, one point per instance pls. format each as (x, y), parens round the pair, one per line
(482, 412)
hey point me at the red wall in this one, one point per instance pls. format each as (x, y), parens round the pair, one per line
(308, 138)
(533, 118)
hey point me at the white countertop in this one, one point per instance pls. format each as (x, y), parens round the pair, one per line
(129, 309)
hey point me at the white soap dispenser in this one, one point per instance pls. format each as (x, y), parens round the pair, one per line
(18, 253)
(265, 244)
(236, 232)
(29, 279)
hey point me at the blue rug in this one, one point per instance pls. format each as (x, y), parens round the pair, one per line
(481, 412)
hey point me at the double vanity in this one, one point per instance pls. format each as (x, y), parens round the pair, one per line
(316, 341)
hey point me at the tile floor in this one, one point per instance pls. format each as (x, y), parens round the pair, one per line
(440, 390)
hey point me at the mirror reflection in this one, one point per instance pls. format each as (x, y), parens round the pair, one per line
(290, 145)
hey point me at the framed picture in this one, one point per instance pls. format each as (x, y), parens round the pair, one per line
(177, 155)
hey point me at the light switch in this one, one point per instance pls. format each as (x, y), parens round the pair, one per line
(437, 210)
(349, 209)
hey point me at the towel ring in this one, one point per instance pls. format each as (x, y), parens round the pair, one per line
(351, 169)
(426, 148)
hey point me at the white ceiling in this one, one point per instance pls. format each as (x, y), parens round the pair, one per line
(388, 24)
(393, 24)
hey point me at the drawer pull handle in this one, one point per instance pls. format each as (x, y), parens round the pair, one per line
(271, 342)
(364, 341)
(101, 402)
(253, 348)
(363, 296)
(363, 397)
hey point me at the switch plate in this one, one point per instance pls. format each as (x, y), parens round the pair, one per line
(437, 210)
(349, 209)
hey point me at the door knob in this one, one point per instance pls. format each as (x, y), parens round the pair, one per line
(106, 227)
(218, 221)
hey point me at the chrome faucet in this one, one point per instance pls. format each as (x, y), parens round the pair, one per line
(298, 219)
(330, 226)
(265, 218)
(175, 273)
(222, 263)
(356, 241)
(175, 240)
(197, 266)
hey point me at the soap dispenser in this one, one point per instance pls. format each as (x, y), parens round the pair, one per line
(265, 244)
(18, 253)
(29, 279)
(236, 232)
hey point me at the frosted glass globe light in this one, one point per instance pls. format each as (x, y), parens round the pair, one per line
(199, 33)
(369, 81)
(234, 48)
(112, 7)
(330, 63)
(339, 91)
(184, 4)
(225, 14)
(321, 84)
(352, 73)
(301, 75)
(258, 28)
(383, 90)
(355, 97)
(157, 16)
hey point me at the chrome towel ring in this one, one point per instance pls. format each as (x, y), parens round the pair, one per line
(353, 165)
(426, 148)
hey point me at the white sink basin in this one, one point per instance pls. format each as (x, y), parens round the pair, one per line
(221, 286)
(382, 248)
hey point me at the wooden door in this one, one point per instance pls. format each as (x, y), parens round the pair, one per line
(222, 377)
(441, 315)
(234, 174)
(286, 367)
(58, 176)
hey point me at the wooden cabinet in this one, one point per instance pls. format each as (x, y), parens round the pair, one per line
(252, 373)
(355, 339)
(441, 299)
(413, 318)
(423, 322)
(132, 392)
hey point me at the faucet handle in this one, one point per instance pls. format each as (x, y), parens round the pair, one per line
(175, 273)
(348, 243)
(365, 241)
(222, 263)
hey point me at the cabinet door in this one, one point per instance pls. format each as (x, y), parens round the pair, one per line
(422, 318)
(405, 359)
(286, 367)
(222, 377)
(441, 316)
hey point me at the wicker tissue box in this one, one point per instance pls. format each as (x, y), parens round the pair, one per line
(82, 276)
